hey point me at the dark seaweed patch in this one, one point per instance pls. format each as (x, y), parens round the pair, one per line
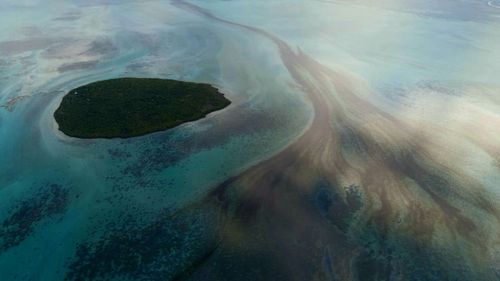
(51, 200)
(398, 256)
(371, 268)
(118, 153)
(165, 249)
(169, 148)
(333, 207)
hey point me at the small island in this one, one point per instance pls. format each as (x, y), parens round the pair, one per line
(129, 107)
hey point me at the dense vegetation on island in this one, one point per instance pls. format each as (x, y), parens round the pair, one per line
(128, 107)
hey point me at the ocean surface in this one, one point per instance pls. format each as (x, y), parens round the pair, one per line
(362, 142)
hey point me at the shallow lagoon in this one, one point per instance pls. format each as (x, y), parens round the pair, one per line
(432, 66)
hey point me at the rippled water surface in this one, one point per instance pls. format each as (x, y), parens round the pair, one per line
(362, 142)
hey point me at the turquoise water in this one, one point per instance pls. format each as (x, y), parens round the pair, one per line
(58, 193)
